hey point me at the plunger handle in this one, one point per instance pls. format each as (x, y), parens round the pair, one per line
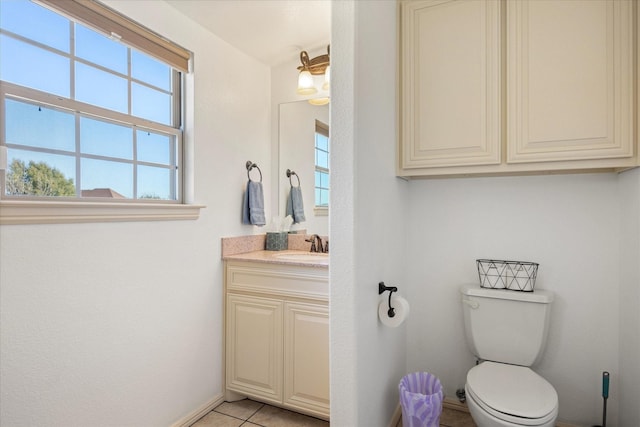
(605, 384)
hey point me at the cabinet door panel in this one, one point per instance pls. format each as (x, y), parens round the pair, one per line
(306, 357)
(254, 346)
(569, 71)
(450, 83)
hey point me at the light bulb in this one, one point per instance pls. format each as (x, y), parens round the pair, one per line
(305, 83)
(327, 78)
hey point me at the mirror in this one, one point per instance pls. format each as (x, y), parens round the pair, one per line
(296, 146)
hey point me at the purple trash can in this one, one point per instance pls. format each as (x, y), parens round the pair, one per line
(421, 400)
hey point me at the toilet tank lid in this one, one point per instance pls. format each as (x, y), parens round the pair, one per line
(539, 295)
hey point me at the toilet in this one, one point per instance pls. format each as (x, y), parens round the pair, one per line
(507, 331)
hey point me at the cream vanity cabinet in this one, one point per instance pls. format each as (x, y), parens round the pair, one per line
(277, 334)
(517, 86)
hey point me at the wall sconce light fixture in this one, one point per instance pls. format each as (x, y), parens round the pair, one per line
(318, 66)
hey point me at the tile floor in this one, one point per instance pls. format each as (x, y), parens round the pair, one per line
(249, 413)
(454, 418)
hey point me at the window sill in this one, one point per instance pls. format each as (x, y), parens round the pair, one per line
(14, 212)
(321, 210)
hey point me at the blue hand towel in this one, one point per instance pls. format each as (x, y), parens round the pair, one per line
(295, 206)
(256, 203)
(253, 204)
(245, 207)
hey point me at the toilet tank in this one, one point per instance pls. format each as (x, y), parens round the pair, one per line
(506, 326)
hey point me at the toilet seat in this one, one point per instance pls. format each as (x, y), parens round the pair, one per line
(512, 393)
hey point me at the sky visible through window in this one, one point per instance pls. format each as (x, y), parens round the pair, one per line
(36, 52)
(322, 169)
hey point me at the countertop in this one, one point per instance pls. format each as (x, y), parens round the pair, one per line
(289, 257)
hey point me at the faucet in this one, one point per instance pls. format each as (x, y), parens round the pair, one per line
(314, 248)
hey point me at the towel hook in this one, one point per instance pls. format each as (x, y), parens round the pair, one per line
(382, 288)
(289, 174)
(250, 165)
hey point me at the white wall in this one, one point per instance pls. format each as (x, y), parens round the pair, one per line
(366, 219)
(343, 305)
(629, 376)
(121, 324)
(570, 225)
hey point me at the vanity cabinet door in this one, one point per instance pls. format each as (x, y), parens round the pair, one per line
(254, 346)
(569, 80)
(306, 357)
(450, 84)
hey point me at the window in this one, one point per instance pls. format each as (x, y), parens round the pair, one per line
(86, 117)
(322, 165)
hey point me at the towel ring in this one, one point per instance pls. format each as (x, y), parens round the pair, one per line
(289, 174)
(250, 165)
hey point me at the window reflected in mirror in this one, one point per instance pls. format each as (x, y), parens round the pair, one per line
(322, 165)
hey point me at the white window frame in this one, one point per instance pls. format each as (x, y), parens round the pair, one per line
(60, 210)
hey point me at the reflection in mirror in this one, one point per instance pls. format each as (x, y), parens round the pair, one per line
(303, 138)
(322, 166)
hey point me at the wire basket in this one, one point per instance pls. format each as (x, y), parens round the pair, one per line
(513, 275)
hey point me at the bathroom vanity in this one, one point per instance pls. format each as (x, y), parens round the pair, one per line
(277, 329)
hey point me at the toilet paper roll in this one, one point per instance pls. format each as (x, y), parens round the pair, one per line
(401, 307)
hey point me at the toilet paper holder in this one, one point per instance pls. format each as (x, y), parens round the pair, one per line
(381, 289)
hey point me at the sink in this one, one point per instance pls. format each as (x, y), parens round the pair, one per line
(310, 257)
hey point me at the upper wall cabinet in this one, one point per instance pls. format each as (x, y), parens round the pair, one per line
(493, 87)
(570, 89)
(450, 83)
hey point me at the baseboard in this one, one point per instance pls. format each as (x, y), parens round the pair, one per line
(200, 412)
(455, 404)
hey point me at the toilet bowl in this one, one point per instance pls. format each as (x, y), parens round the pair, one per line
(507, 331)
(502, 395)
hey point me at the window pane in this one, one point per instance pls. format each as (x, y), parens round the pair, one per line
(35, 22)
(106, 179)
(99, 88)
(322, 166)
(150, 104)
(96, 48)
(150, 70)
(30, 66)
(105, 139)
(34, 126)
(322, 142)
(324, 180)
(154, 183)
(322, 197)
(40, 174)
(154, 148)
(322, 159)
(61, 147)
